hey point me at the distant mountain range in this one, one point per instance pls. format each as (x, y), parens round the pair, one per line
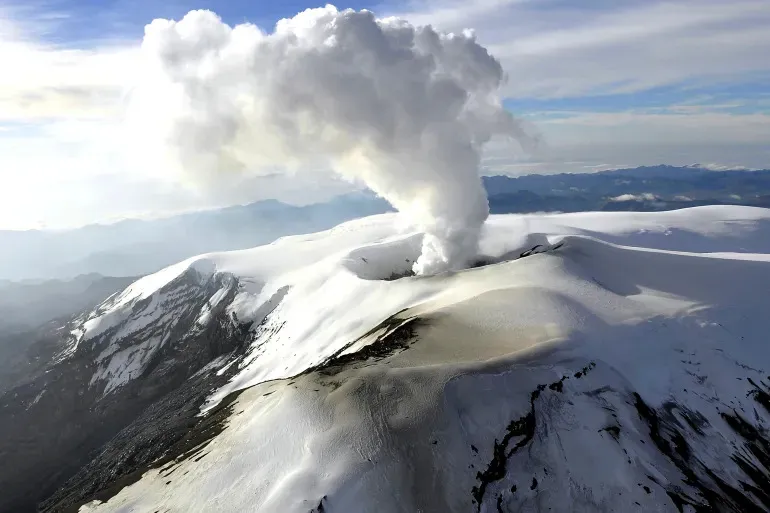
(30, 303)
(136, 247)
(653, 188)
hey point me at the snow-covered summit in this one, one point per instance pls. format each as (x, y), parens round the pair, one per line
(624, 351)
(330, 288)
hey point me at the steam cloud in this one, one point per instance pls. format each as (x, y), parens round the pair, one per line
(405, 109)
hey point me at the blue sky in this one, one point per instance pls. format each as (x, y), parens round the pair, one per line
(751, 96)
(606, 83)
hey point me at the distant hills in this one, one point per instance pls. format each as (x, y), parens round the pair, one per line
(28, 303)
(136, 247)
(33, 313)
(637, 189)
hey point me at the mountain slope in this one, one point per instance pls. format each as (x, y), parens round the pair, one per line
(32, 315)
(591, 362)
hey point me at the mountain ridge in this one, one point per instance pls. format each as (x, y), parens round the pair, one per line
(601, 333)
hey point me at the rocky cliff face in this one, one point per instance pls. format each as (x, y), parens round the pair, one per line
(111, 399)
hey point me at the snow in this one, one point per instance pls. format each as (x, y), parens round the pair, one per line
(293, 278)
(126, 364)
(36, 399)
(668, 305)
(116, 310)
(205, 315)
(219, 364)
(129, 328)
(307, 327)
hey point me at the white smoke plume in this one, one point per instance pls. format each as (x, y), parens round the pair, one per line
(404, 109)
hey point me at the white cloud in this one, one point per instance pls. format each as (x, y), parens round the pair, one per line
(43, 81)
(553, 49)
(711, 166)
(404, 109)
(645, 196)
(60, 112)
(61, 106)
(629, 127)
(453, 14)
(63, 161)
(591, 141)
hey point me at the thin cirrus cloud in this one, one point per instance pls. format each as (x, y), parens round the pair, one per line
(50, 79)
(607, 84)
(556, 48)
(614, 84)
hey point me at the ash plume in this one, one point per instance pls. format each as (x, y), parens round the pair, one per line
(404, 109)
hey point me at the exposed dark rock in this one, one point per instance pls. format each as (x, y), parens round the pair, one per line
(557, 386)
(672, 428)
(73, 436)
(398, 275)
(760, 394)
(320, 508)
(714, 493)
(496, 469)
(614, 431)
(398, 334)
(523, 427)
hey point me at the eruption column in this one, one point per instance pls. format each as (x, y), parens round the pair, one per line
(404, 109)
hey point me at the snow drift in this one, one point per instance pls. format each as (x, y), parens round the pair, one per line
(404, 109)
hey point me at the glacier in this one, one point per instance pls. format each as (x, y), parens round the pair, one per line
(588, 362)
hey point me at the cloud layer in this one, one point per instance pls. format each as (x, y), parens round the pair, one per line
(559, 49)
(582, 72)
(405, 110)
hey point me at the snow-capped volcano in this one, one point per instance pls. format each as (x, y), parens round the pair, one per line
(590, 362)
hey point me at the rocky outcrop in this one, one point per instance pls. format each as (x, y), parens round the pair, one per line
(75, 426)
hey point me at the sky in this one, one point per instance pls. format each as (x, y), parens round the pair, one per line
(605, 83)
